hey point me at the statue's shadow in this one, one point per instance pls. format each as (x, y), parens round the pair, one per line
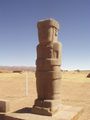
(24, 110)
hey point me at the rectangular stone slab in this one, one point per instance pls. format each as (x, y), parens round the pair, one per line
(4, 105)
(66, 113)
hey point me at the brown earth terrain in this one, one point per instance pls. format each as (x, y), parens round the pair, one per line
(75, 88)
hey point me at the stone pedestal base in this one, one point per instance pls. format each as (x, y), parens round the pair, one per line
(65, 113)
(46, 107)
(43, 111)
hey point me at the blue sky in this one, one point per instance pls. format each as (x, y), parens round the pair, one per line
(18, 31)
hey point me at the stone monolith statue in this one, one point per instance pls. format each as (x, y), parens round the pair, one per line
(48, 74)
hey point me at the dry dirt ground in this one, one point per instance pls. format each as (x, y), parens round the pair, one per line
(75, 88)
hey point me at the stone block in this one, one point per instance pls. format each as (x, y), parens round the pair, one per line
(4, 106)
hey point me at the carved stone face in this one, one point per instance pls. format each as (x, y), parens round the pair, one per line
(47, 34)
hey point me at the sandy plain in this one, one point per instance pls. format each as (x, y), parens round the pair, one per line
(75, 88)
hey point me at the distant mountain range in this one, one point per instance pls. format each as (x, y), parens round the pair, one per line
(30, 68)
(17, 68)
